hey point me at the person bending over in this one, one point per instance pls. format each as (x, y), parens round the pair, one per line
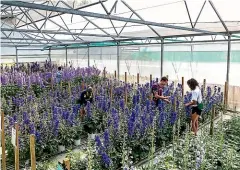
(195, 103)
(86, 95)
(157, 90)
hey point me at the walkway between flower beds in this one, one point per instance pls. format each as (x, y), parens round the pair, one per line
(160, 154)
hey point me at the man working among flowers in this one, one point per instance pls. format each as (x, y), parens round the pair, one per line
(157, 90)
(86, 95)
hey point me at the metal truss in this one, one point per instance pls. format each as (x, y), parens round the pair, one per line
(32, 31)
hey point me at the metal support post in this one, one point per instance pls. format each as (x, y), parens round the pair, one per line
(49, 55)
(162, 52)
(66, 57)
(118, 61)
(228, 58)
(88, 56)
(17, 57)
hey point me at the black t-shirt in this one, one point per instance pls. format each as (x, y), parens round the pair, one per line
(85, 97)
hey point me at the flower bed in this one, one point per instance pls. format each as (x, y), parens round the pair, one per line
(220, 151)
(128, 131)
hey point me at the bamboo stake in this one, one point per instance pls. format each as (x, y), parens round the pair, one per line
(32, 152)
(17, 147)
(125, 77)
(126, 96)
(137, 78)
(66, 162)
(115, 74)
(3, 142)
(212, 119)
(182, 86)
(226, 95)
(151, 95)
(104, 72)
(204, 86)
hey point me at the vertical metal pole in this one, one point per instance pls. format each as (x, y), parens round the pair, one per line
(228, 70)
(162, 52)
(17, 57)
(88, 56)
(228, 58)
(77, 57)
(118, 61)
(49, 55)
(66, 57)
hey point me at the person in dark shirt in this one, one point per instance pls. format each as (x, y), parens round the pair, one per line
(157, 91)
(86, 95)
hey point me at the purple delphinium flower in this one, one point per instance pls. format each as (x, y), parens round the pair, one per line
(38, 136)
(88, 110)
(102, 152)
(26, 120)
(115, 119)
(209, 92)
(106, 160)
(106, 139)
(131, 123)
(99, 144)
(134, 100)
(31, 128)
(173, 117)
(121, 104)
(161, 120)
(143, 122)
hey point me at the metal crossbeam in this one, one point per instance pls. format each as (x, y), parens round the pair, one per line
(60, 32)
(93, 23)
(2, 42)
(108, 13)
(144, 43)
(140, 17)
(82, 7)
(199, 14)
(220, 18)
(96, 15)
(189, 16)
(48, 40)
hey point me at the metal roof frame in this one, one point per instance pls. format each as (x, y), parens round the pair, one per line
(39, 35)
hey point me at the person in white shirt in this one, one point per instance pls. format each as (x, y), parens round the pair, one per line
(195, 103)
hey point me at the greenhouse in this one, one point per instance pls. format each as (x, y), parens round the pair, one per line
(120, 84)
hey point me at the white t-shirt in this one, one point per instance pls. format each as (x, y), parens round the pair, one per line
(197, 95)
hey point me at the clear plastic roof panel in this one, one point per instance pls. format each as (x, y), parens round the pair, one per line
(148, 18)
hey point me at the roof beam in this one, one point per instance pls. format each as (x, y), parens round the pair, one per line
(103, 16)
(93, 23)
(189, 16)
(51, 40)
(138, 44)
(220, 18)
(199, 14)
(133, 11)
(82, 7)
(61, 32)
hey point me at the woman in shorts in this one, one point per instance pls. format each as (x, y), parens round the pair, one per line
(195, 103)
